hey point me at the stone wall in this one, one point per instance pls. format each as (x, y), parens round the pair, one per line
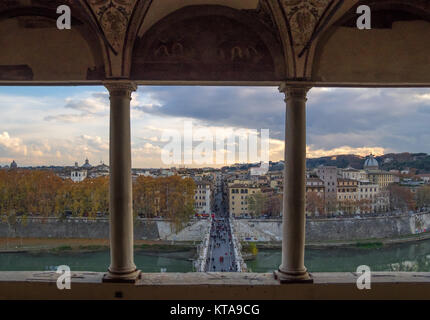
(317, 230)
(144, 229)
(321, 230)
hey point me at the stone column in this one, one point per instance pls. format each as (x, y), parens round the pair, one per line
(122, 267)
(292, 268)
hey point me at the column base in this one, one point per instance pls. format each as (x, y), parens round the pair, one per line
(131, 277)
(293, 277)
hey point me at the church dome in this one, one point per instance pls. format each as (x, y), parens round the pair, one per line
(371, 163)
(87, 164)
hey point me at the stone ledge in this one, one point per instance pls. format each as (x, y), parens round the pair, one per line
(216, 278)
(214, 286)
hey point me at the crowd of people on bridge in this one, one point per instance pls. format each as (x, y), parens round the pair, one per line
(221, 258)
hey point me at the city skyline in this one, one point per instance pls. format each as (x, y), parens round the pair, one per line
(86, 163)
(40, 126)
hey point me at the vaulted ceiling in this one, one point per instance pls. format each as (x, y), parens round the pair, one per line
(216, 41)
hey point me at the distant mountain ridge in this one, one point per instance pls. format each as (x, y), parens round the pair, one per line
(390, 161)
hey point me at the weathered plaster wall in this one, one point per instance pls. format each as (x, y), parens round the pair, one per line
(320, 230)
(46, 51)
(396, 55)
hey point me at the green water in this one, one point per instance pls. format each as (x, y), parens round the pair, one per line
(95, 261)
(412, 257)
(400, 257)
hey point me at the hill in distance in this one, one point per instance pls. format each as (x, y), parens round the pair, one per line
(390, 161)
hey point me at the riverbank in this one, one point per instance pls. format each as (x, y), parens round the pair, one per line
(400, 257)
(95, 261)
(337, 230)
(362, 244)
(34, 245)
(98, 228)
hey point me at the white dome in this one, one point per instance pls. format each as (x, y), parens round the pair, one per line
(371, 163)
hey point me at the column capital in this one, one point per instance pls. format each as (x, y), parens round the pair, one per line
(295, 91)
(120, 88)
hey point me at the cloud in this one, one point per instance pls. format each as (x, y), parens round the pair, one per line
(316, 153)
(146, 155)
(96, 103)
(93, 106)
(78, 126)
(277, 151)
(11, 146)
(93, 143)
(392, 119)
(389, 118)
(241, 107)
(52, 151)
(63, 125)
(70, 118)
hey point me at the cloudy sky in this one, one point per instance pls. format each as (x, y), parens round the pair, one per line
(61, 125)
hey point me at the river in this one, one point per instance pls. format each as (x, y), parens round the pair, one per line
(411, 256)
(400, 257)
(93, 261)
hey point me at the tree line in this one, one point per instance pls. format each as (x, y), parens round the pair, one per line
(265, 203)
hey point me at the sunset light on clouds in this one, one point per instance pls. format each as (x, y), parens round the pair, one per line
(41, 126)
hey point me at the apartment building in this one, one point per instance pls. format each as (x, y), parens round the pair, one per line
(238, 198)
(354, 174)
(315, 185)
(328, 174)
(347, 194)
(203, 197)
(315, 196)
(381, 178)
(369, 197)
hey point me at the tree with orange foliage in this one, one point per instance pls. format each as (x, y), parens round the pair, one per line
(423, 197)
(314, 203)
(364, 205)
(401, 198)
(43, 193)
(171, 197)
(146, 196)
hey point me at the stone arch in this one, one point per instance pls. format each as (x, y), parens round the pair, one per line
(209, 43)
(35, 50)
(137, 19)
(395, 51)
